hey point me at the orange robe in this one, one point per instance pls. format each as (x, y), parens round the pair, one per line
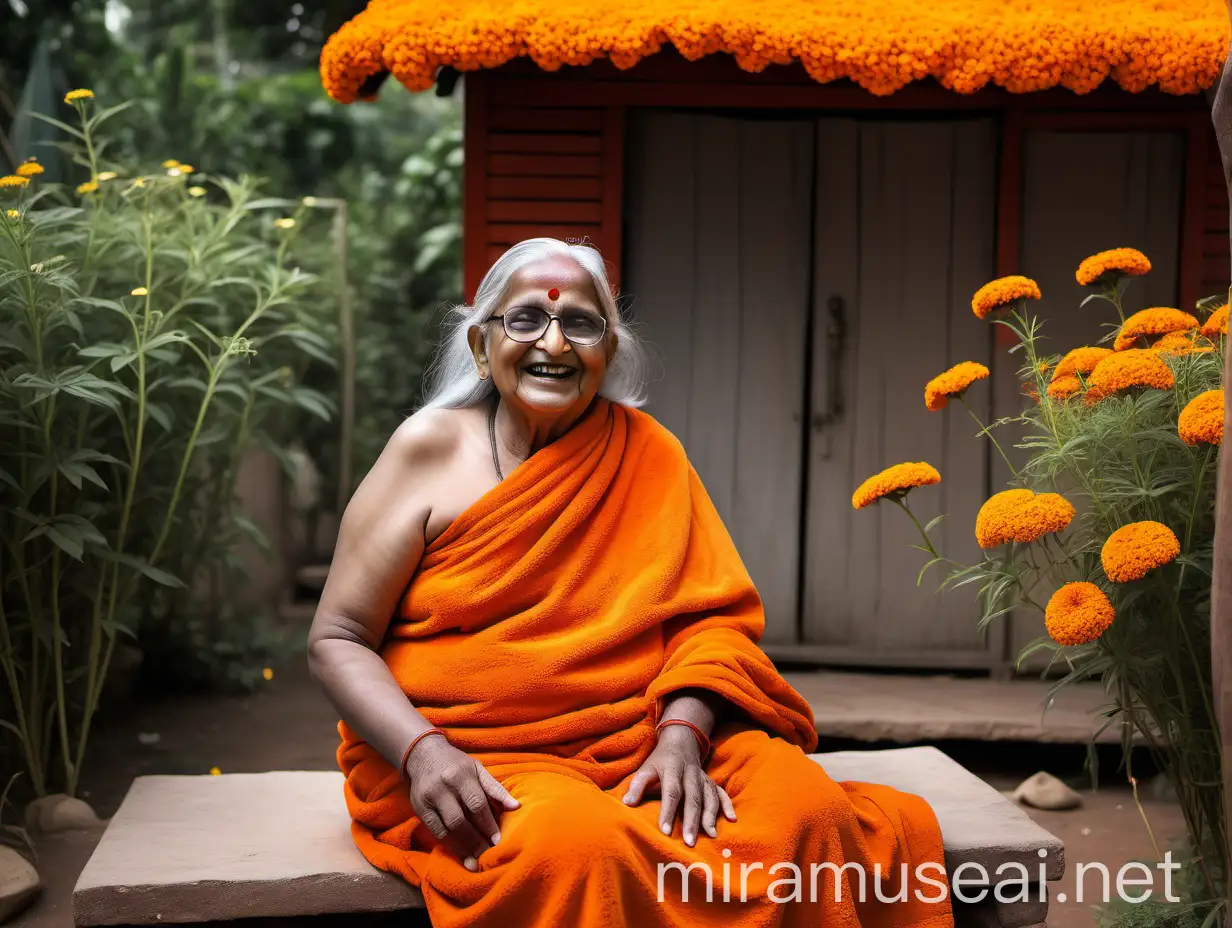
(544, 631)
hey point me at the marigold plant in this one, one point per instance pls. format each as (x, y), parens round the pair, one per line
(1158, 320)
(1109, 265)
(952, 384)
(1078, 613)
(1201, 421)
(1003, 292)
(1216, 323)
(1134, 550)
(1103, 536)
(894, 483)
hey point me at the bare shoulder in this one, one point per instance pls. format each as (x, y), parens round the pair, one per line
(429, 437)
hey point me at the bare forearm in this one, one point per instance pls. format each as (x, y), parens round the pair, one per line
(366, 695)
(703, 708)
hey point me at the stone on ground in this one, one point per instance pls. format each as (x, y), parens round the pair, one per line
(1044, 791)
(59, 812)
(19, 883)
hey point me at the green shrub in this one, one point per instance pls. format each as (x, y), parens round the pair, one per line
(153, 329)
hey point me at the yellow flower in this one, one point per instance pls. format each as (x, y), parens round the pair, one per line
(88, 187)
(1021, 515)
(171, 163)
(1133, 550)
(1216, 323)
(1065, 386)
(286, 223)
(81, 94)
(953, 383)
(186, 169)
(107, 175)
(894, 483)
(309, 201)
(138, 182)
(1078, 613)
(140, 291)
(14, 180)
(1201, 421)
(268, 673)
(1002, 292)
(13, 214)
(196, 191)
(1080, 361)
(215, 772)
(1124, 370)
(1108, 266)
(29, 169)
(1155, 321)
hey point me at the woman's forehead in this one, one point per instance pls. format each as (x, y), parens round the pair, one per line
(556, 272)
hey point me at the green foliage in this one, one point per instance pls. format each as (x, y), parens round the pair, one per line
(1120, 460)
(153, 333)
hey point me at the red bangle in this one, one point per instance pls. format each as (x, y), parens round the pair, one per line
(703, 742)
(414, 741)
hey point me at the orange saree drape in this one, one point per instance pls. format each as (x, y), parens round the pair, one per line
(543, 632)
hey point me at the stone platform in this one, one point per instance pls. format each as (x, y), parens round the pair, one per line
(277, 846)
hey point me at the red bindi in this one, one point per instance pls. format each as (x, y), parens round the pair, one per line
(553, 294)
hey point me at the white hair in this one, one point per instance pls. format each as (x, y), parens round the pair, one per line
(452, 380)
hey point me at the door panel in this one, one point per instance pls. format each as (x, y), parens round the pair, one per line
(717, 264)
(1085, 192)
(904, 236)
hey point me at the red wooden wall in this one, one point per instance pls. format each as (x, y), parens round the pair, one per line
(539, 170)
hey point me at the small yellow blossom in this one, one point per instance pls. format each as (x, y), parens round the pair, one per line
(79, 94)
(196, 191)
(309, 201)
(140, 291)
(88, 187)
(29, 169)
(215, 772)
(107, 175)
(268, 673)
(285, 223)
(13, 214)
(14, 180)
(171, 163)
(138, 182)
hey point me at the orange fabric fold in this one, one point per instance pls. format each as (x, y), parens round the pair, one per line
(543, 632)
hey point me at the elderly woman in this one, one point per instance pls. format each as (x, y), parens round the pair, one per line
(542, 644)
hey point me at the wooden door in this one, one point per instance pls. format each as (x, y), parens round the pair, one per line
(1084, 192)
(717, 269)
(904, 236)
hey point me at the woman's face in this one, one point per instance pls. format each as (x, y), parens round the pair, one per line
(552, 375)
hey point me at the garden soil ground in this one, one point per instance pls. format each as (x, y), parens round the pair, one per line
(288, 725)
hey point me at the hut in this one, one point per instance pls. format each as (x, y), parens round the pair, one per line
(797, 199)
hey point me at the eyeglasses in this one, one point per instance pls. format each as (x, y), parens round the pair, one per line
(529, 323)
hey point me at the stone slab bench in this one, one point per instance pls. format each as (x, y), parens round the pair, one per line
(277, 846)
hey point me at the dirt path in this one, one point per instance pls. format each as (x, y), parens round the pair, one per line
(287, 724)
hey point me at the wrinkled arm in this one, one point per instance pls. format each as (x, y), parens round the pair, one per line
(380, 542)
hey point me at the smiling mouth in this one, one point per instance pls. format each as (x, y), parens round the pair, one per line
(551, 371)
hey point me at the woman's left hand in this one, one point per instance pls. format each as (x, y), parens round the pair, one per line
(675, 766)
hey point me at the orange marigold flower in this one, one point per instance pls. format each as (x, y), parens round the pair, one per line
(1178, 45)
(1133, 550)
(1109, 265)
(1155, 321)
(80, 94)
(894, 483)
(14, 180)
(1201, 421)
(1062, 388)
(1216, 323)
(953, 383)
(1186, 342)
(1003, 291)
(1080, 361)
(1021, 515)
(29, 169)
(1125, 370)
(1078, 613)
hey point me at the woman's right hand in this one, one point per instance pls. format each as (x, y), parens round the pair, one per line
(453, 794)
